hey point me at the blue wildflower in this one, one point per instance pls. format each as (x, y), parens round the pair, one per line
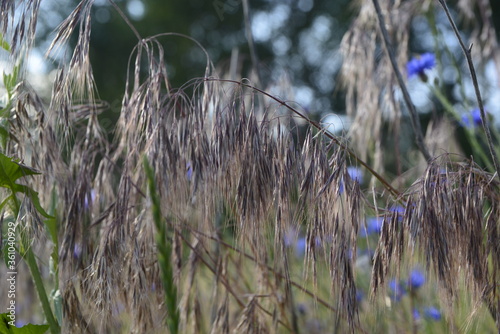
(300, 247)
(359, 296)
(472, 119)
(399, 212)
(290, 237)
(189, 171)
(418, 65)
(373, 226)
(416, 314)
(77, 251)
(397, 290)
(416, 279)
(432, 313)
(398, 209)
(302, 308)
(89, 199)
(355, 173)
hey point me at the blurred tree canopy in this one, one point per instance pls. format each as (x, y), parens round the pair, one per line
(299, 39)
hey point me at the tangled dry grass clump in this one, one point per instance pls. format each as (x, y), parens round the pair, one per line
(230, 185)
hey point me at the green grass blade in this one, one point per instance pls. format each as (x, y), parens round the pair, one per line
(164, 253)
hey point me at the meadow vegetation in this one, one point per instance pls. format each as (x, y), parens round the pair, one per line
(218, 207)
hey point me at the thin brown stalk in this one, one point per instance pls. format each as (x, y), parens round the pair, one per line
(126, 19)
(274, 272)
(316, 125)
(467, 52)
(415, 122)
(227, 284)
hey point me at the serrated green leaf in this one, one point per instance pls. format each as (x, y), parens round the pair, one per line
(11, 170)
(5, 328)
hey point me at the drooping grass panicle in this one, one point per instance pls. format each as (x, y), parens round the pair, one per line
(256, 212)
(445, 220)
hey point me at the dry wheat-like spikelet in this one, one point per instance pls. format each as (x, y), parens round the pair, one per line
(368, 77)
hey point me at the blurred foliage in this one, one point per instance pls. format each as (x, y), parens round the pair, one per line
(219, 26)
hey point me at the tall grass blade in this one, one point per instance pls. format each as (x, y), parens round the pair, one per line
(164, 253)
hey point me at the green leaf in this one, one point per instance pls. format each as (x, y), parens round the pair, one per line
(51, 223)
(11, 170)
(6, 223)
(57, 298)
(4, 136)
(6, 326)
(6, 201)
(10, 80)
(4, 44)
(33, 195)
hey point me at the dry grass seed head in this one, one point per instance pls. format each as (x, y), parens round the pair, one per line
(445, 219)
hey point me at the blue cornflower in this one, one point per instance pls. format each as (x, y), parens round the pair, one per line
(290, 236)
(77, 251)
(416, 314)
(189, 171)
(292, 239)
(397, 290)
(418, 65)
(359, 296)
(355, 173)
(432, 313)
(416, 279)
(373, 226)
(89, 199)
(399, 211)
(472, 119)
(300, 247)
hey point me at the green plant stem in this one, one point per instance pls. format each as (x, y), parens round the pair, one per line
(164, 253)
(30, 259)
(467, 52)
(27, 254)
(415, 121)
(470, 135)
